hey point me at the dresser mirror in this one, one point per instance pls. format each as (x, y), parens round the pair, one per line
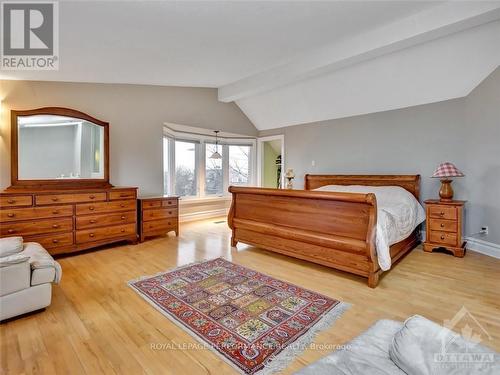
(59, 147)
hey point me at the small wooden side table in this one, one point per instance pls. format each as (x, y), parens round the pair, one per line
(157, 216)
(444, 226)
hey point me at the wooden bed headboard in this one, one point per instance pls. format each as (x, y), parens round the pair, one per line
(408, 182)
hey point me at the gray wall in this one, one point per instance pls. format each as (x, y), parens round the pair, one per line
(136, 114)
(414, 140)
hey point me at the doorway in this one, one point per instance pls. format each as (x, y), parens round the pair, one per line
(271, 161)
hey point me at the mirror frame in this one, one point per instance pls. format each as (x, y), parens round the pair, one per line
(55, 183)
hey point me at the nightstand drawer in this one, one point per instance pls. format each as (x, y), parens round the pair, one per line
(444, 238)
(443, 225)
(442, 212)
(160, 213)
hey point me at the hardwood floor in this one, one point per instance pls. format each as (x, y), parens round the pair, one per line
(97, 324)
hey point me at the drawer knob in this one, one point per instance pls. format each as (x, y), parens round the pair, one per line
(122, 230)
(11, 201)
(123, 217)
(55, 241)
(92, 221)
(442, 237)
(441, 213)
(169, 223)
(170, 212)
(11, 215)
(92, 196)
(122, 205)
(91, 208)
(55, 226)
(442, 225)
(55, 212)
(55, 199)
(11, 231)
(91, 235)
(169, 202)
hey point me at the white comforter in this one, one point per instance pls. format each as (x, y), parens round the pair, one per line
(398, 214)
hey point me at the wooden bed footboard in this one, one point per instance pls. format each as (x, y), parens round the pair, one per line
(329, 228)
(333, 229)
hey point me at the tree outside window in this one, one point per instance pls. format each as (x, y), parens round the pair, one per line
(185, 169)
(239, 165)
(213, 171)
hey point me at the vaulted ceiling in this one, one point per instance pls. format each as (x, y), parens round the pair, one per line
(284, 63)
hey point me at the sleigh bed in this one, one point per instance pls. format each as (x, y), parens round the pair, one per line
(335, 229)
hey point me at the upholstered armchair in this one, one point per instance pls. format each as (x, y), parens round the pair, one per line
(27, 272)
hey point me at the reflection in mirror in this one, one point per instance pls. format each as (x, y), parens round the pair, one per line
(59, 147)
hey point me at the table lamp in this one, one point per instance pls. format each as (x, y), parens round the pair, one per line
(289, 175)
(445, 171)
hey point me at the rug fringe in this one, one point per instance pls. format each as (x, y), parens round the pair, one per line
(130, 282)
(284, 358)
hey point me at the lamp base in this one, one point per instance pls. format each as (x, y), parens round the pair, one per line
(446, 191)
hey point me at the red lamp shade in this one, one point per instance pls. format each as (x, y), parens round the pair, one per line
(445, 170)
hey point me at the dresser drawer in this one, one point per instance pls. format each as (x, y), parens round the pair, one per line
(52, 241)
(99, 234)
(441, 212)
(445, 238)
(151, 203)
(42, 199)
(122, 194)
(32, 227)
(16, 214)
(443, 225)
(113, 206)
(93, 221)
(159, 226)
(16, 201)
(159, 213)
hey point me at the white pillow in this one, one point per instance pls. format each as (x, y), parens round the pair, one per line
(10, 245)
(13, 259)
(422, 347)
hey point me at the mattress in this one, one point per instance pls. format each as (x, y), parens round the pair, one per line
(398, 214)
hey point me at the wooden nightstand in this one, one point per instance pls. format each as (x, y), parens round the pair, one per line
(444, 226)
(158, 216)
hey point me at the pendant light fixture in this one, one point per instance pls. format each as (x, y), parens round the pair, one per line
(216, 154)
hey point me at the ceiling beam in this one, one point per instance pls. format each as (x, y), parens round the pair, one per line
(433, 23)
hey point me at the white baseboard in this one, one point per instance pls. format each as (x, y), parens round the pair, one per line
(483, 247)
(479, 246)
(203, 215)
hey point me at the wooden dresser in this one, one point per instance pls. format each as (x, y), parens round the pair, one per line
(444, 226)
(70, 220)
(158, 216)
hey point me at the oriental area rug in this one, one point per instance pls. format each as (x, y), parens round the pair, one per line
(256, 323)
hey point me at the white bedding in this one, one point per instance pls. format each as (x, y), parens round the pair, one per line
(398, 214)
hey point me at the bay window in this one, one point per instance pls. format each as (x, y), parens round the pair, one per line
(191, 171)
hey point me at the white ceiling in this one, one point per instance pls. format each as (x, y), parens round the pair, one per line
(202, 44)
(284, 63)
